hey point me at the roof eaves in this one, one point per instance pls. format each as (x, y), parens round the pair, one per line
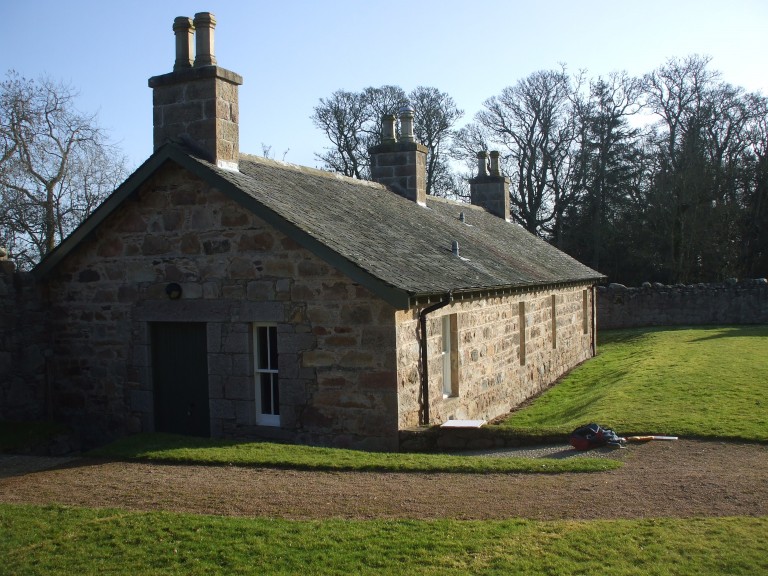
(424, 299)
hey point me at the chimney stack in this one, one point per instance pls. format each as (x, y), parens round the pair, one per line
(490, 190)
(400, 165)
(196, 105)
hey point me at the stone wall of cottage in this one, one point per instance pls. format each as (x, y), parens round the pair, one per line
(731, 302)
(23, 346)
(492, 378)
(336, 340)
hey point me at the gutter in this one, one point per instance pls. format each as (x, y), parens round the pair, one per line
(424, 416)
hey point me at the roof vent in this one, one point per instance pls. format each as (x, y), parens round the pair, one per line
(462, 218)
(455, 247)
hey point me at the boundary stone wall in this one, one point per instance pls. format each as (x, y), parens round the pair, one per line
(729, 302)
(23, 346)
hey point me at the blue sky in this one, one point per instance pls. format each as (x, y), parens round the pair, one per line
(293, 52)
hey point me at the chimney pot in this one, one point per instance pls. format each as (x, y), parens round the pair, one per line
(388, 129)
(495, 163)
(184, 31)
(482, 164)
(491, 191)
(204, 24)
(406, 124)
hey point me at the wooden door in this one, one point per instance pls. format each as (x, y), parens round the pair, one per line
(180, 377)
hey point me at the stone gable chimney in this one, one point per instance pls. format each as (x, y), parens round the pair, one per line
(196, 105)
(490, 190)
(400, 165)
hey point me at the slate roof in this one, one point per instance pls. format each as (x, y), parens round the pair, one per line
(393, 246)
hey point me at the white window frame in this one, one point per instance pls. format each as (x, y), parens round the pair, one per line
(270, 417)
(449, 354)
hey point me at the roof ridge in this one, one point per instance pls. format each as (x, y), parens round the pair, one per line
(306, 169)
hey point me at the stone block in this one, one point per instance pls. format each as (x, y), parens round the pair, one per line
(356, 314)
(239, 388)
(217, 246)
(311, 268)
(220, 364)
(279, 268)
(245, 412)
(222, 409)
(213, 291)
(260, 290)
(184, 196)
(317, 359)
(191, 290)
(358, 359)
(155, 245)
(242, 364)
(235, 342)
(141, 401)
(234, 217)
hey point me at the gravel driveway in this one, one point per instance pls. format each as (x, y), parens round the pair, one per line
(660, 479)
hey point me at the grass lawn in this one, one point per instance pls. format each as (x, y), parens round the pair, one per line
(172, 448)
(65, 541)
(704, 382)
(696, 382)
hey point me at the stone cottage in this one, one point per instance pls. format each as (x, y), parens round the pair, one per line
(216, 293)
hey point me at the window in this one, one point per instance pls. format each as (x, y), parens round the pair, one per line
(521, 325)
(554, 321)
(266, 375)
(450, 355)
(585, 311)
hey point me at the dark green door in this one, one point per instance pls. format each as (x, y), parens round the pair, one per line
(180, 377)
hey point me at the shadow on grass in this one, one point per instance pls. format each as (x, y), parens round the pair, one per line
(743, 331)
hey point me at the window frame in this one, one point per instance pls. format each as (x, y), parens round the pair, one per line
(450, 355)
(272, 416)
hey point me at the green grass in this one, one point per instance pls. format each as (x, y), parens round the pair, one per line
(184, 449)
(63, 541)
(709, 382)
(695, 382)
(23, 435)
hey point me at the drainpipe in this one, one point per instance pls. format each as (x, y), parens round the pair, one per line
(424, 420)
(594, 320)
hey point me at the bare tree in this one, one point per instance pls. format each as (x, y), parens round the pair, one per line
(435, 116)
(533, 122)
(352, 123)
(342, 118)
(56, 166)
